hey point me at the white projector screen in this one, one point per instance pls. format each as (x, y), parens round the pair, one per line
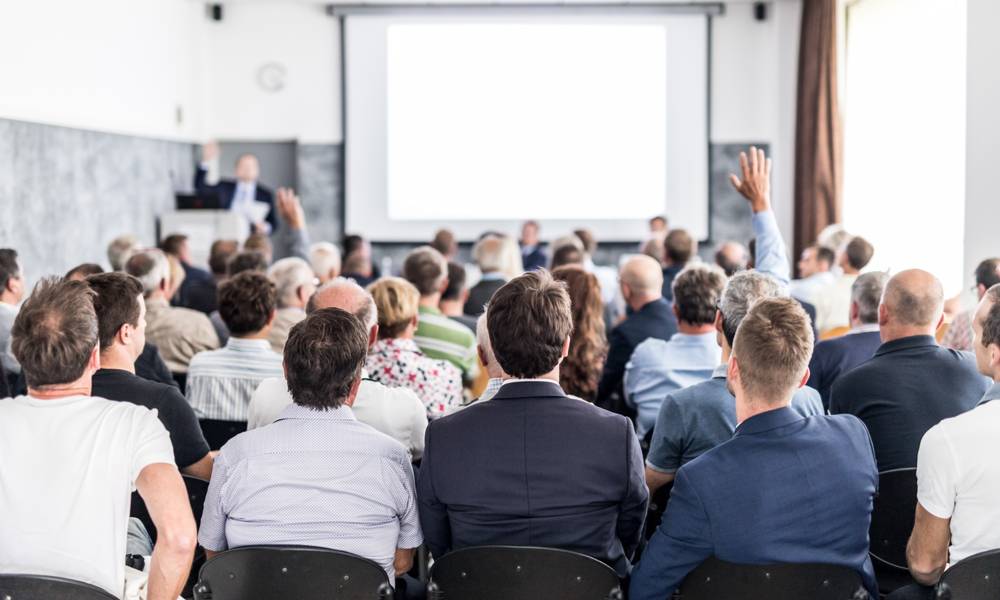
(479, 123)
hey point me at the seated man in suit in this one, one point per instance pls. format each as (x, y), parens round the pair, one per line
(240, 195)
(832, 358)
(524, 467)
(198, 289)
(958, 481)
(785, 489)
(911, 384)
(488, 254)
(533, 255)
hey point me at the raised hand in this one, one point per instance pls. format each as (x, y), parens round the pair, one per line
(755, 185)
(290, 209)
(210, 151)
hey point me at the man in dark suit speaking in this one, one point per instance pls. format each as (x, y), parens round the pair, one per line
(532, 466)
(240, 195)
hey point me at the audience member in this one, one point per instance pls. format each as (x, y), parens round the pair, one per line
(958, 482)
(566, 255)
(731, 257)
(120, 249)
(789, 515)
(244, 195)
(247, 260)
(658, 228)
(83, 271)
(912, 383)
(395, 359)
(324, 258)
(356, 244)
(959, 334)
(534, 439)
(489, 361)
(487, 254)
(607, 277)
(679, 248)
(221, 382)
(296, 283)
(532, 253)
(641, 282)
(358, 266)
(511, 262)
(11, 294)
(121, 322)
(291, 239)
(655, 249)
(814, 274)
(455, 296)
(832, 358)
(437, 335)
(71, 460)
(833, 303)
(444, 242)
(259, 242)
(320, 476)
(580, 371)
(395, 411)
(696, 419)
(218, 258)
(178, 333)
(658, 367)
(176, 278)
(197, 291)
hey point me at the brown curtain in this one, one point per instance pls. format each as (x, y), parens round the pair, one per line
(818, 158)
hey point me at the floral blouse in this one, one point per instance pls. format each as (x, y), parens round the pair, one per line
(400, 363)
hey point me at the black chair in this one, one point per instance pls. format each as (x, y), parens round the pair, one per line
(892, 522)
(974, 578)
(217, 432)
(43, 587)
(294, 572)
(715, 579)
(512, 572)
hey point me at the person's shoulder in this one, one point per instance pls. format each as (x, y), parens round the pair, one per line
(271, 385)
(188, 317)
(701, 393)
(845, 424)
(649, 349)
(378, 391)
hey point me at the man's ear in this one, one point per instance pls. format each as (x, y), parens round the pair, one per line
(733, 374)
(883, 315)
(718, 322)
(677, 313)
(805, 379)
(124, 334)
(444, 285)
(94, 362)
(373, 335)
(270, 319)
(481, 354)
(565, 348)
(353, 394)
(855, 311)
(994, 351)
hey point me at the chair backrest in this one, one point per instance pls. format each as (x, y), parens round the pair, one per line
(299, 572)
(43, 587)
(974, 578)
(505, 572)
(217, 432)
(715, 579)
(892, 518)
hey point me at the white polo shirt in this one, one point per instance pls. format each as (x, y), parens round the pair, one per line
(958, 476)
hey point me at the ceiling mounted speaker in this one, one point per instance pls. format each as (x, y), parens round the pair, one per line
(760, 11)
(215, 10)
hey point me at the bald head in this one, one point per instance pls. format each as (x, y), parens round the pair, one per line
(347, 295)
(912, 304)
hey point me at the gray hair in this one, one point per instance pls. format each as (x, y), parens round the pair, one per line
(119, 251)
(866, 292)
(340, 287)
(743, 290)
(324, 257)
(488, 254)
(288, 275)
(150, 267)
(483, 338)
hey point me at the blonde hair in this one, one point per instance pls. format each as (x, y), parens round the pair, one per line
(177, 275)
(396, 301)
(772, 348)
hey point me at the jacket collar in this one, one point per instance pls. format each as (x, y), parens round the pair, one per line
(529, 388)
(654, 305)
(767, 421)
(907, 343)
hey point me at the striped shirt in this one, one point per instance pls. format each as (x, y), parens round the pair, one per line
(315, 478)
(443, 338)
(221, 382)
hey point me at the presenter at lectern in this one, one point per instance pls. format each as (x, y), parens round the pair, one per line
(245, 195)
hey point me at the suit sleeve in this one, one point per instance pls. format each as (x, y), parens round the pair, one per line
(433, 513)
(289, 242)
(772, 255)
(681, 543)
(614, 368)
(272, 215)
(200, 185)
(632, 511)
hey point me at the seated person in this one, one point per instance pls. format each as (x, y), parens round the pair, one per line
(71, 460)
(317, 476)
(658, 367)
(488, 255)
(296, 283)
(533, 466)
(757, 499)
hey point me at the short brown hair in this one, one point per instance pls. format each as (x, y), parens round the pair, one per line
(219, 255)
(259, 242)
(444, 241)
(679, 246)
(859, 252)
(696, 293)
(172, 243)
(324, 355)
(529, 320)
(587, 238)
(396, 301)
(249, 260)
(116, 303)
(55, 332)
(772, 348)
(991, 324)
(566, 255)
(425, 268)
(83, 271)
(246, 302)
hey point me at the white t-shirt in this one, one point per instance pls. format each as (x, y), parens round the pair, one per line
(958, 477)
(68, 469)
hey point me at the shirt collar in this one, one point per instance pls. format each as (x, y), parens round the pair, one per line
(766, 421)
(428, 310)
(492, 387)
(864, 328)
(653, 305)
(296, 412)
(721, 371)
(491, 276)
(907, 343)
(245, 345)
(991, 394)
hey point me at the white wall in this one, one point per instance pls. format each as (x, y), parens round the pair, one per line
(112, 65)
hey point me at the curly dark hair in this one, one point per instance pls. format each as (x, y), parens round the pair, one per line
(588, 347)
(246, 302)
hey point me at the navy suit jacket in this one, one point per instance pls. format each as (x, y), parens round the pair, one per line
(225, 189)
(654, 320)
(536, 259)
(784, 489)
(833, 358)
(533, 467)
(911, 385)
(198, 290)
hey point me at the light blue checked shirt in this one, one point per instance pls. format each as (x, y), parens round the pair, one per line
(220, 383)
(314, 478)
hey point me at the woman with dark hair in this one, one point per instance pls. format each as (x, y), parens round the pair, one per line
(581, 369)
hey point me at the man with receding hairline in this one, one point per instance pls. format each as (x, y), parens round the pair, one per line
(911, 383)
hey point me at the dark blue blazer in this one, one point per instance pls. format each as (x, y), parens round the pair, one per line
(533, 467)
(198, 290)
(911, 385)
(784, 489)
(833, 358)
(225, 189)
(654, 320)
(669, 273)
(536, 259)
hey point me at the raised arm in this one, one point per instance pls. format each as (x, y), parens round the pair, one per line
(162, 489)
(209, 152)
(755, 185)
(290, 237)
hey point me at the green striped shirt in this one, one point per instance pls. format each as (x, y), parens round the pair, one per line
(443, 338)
